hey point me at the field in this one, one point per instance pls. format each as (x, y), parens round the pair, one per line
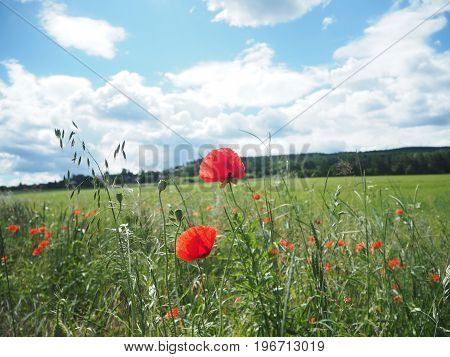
(312, 257)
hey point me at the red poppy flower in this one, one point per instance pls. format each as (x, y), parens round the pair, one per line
(394, 286)
(327, 266)
(376, 245)
(36, 251)
(42, 229)
(311, 240)
(256, 196)
(273, 251)
(76, 212)
(12, 228)
(399, 212)
(397, 298)
(173, 313)
(94, 211)
(222, 165)
(291, 247)
(359, 247)
(48, 234)
(33, 231)
(195, 243)
(341, 243)
(284, 242)
(86, 215)
(435, 277)
(317, 221)
(43, 244)
(267, 220)
(328, 244)
(394, 263)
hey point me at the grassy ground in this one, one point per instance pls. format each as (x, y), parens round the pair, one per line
(112, 273)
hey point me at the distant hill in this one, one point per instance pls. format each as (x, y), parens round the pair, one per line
(402, 161)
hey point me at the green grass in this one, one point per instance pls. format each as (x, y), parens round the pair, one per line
(104, 276)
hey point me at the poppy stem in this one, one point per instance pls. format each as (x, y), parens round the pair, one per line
(166, 253)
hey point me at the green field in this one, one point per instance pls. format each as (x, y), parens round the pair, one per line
(115, 272)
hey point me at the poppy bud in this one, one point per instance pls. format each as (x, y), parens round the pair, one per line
(162, 184)
(119, 197)
(179, 215)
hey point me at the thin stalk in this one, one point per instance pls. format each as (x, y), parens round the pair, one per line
(166, 253)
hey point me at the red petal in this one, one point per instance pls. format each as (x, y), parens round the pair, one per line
(195, 243)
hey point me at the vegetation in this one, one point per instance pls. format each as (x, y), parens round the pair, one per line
(404, 161)
(103, 276)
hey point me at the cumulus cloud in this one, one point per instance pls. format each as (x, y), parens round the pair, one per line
(399, 100)
(94, 37)
(327, 21)
(253, 13)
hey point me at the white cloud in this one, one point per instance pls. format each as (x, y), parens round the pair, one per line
(327, 21)
(253, 13)
(402, 99)
(95, 37)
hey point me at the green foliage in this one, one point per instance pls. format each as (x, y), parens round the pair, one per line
(115, 273)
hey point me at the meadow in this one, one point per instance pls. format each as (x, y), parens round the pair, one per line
(343, 256)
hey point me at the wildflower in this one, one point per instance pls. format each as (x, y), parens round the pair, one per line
(256, 196)
(48, 234)
(347, 299)
(86, 215)
(359, 247)
(172, 313)
(42, 229)
(43, 244)
(12, 228)
(273, 251)
(317, 221)
(435, 277)
(284, 242)
(397, 298)
(341, 243)
(328, 244)
(94, 211)
(291, 247)
(33, 231)
(376, 245)
(327, 266)
(311, 240)
(267, 220)
(399, 212)
(222, 165)
(238, 299)
(394, 263)
(4, 258)
(195, 243)
(394, 286)
(76, 212)
(36, 251)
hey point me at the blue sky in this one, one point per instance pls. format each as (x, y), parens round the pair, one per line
(211, 68)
